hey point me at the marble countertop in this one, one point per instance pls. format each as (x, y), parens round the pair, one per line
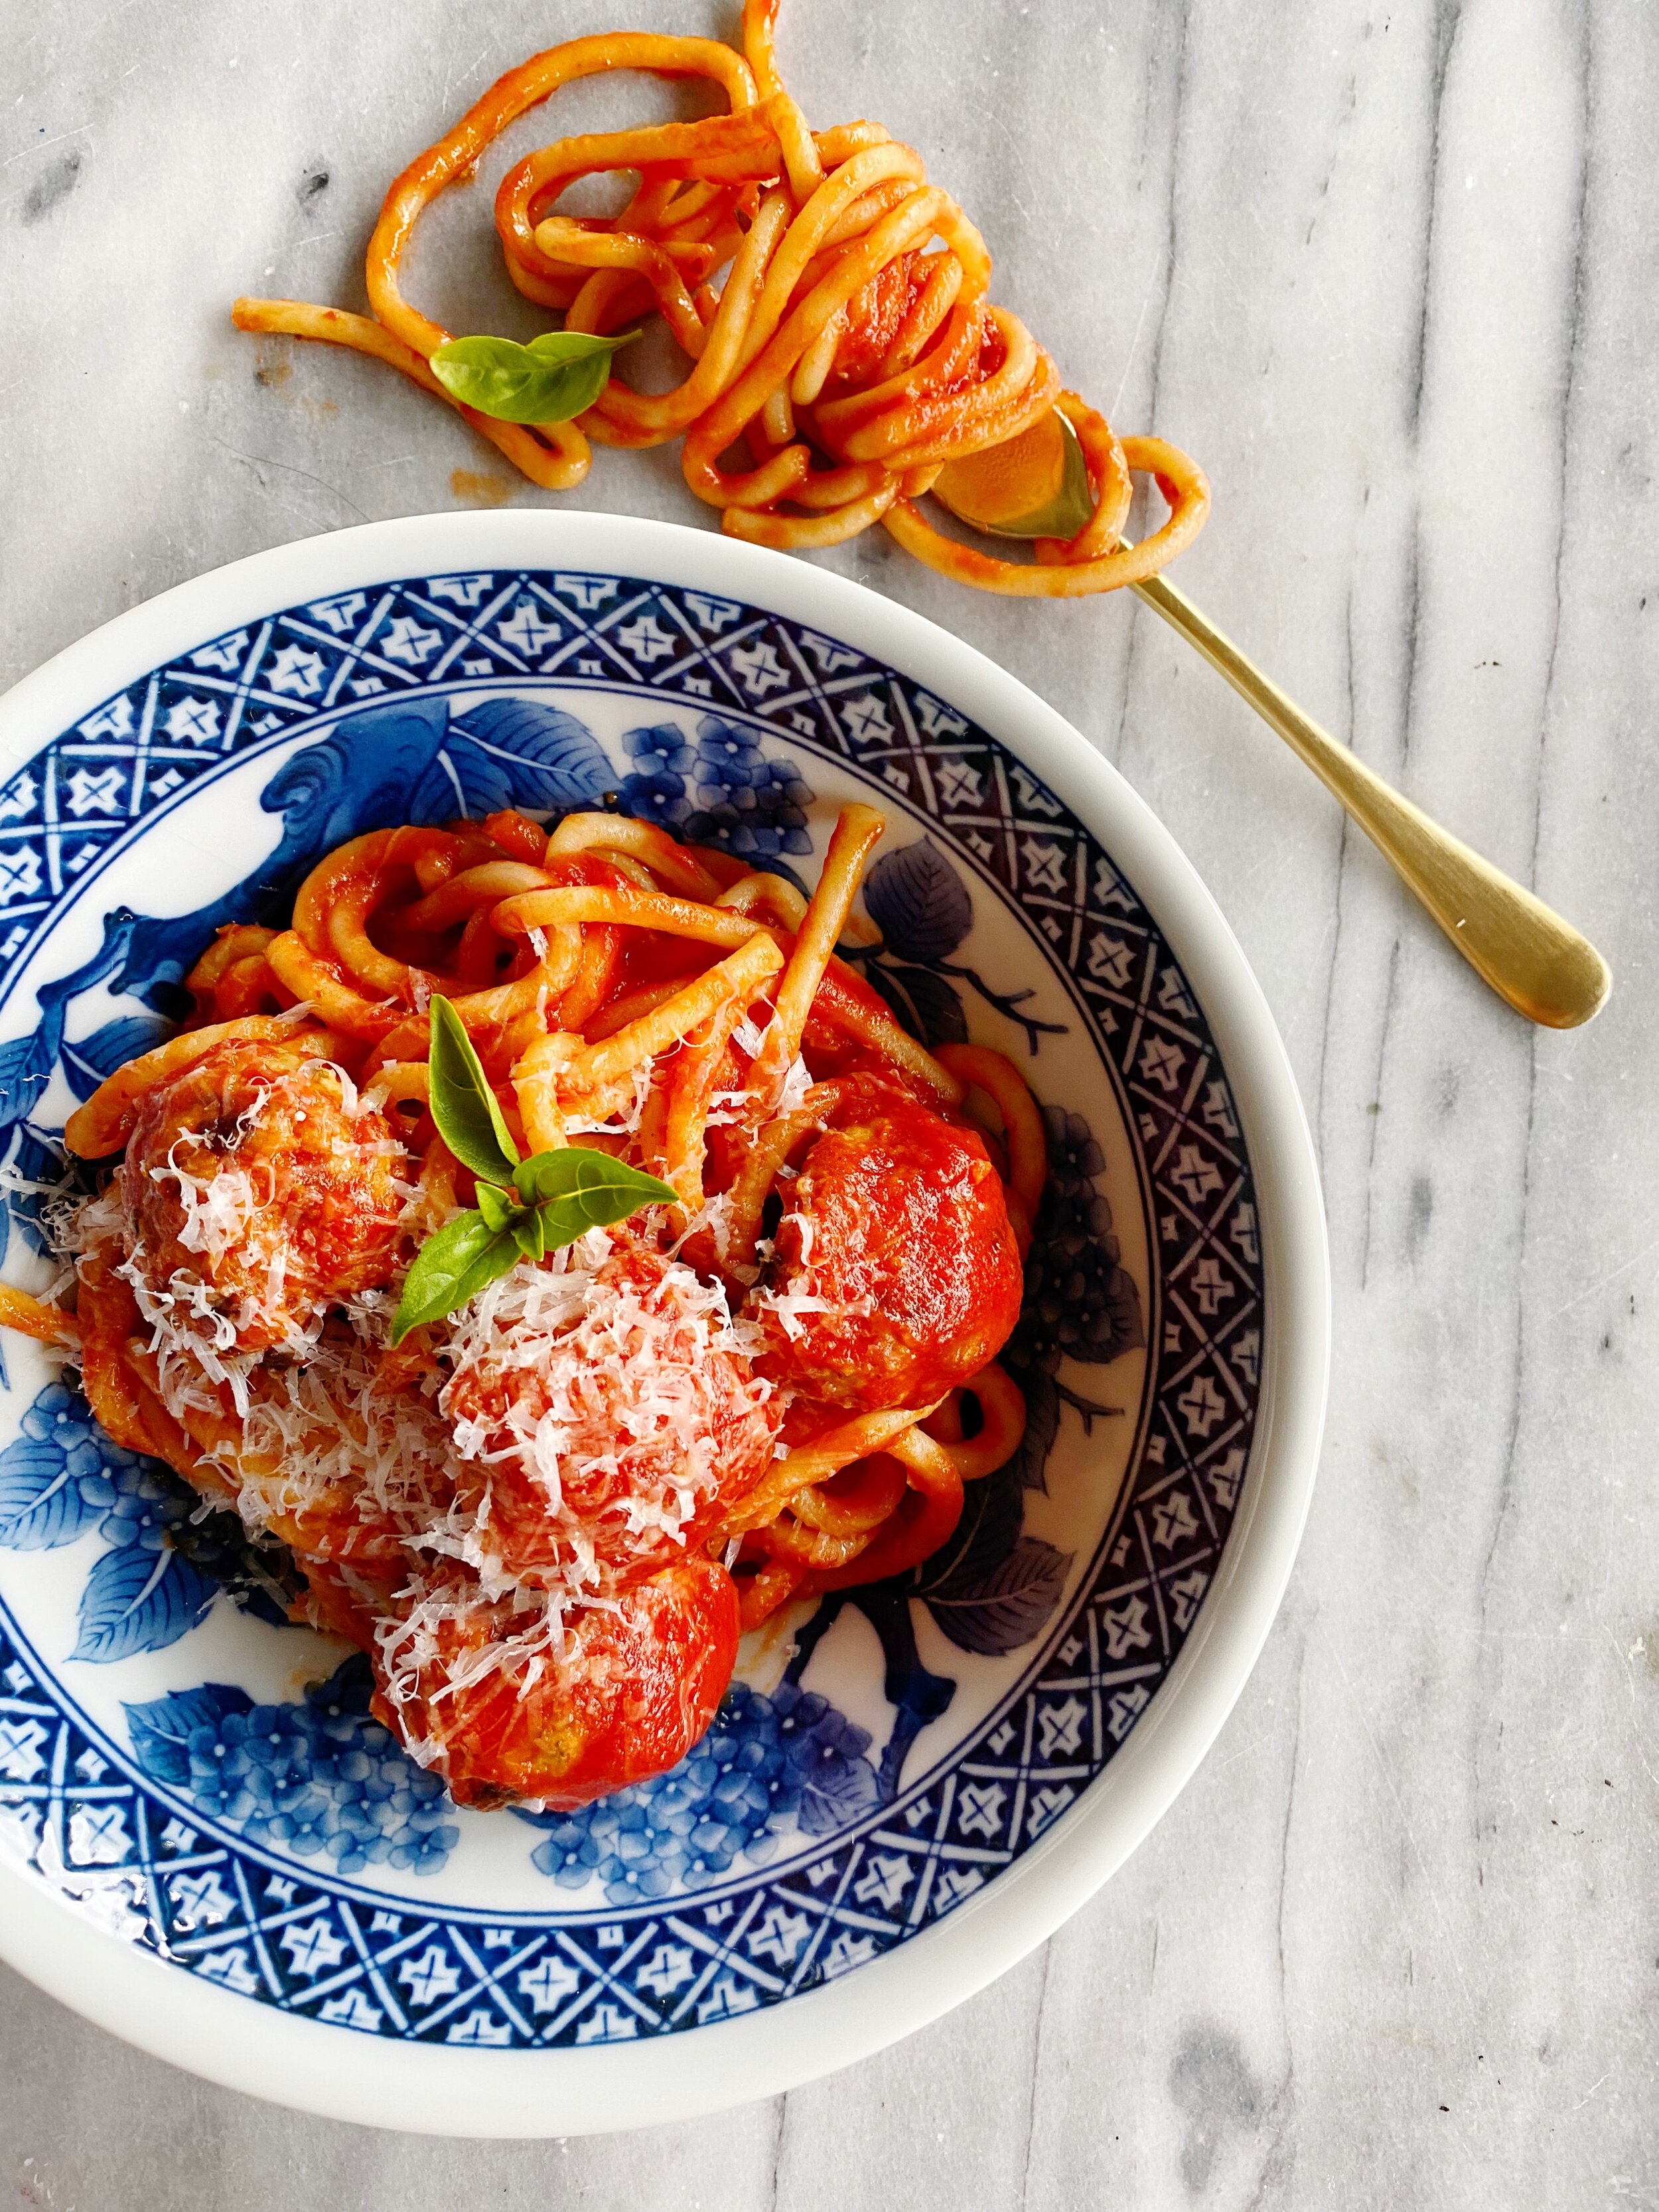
(1389, 272)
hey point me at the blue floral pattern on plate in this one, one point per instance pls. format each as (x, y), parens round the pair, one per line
(315, 1776)
(235, 1837)
(765, 1762)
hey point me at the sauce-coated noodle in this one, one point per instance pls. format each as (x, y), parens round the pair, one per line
(851, 352)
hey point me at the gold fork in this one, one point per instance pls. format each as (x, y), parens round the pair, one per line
(1536, 961)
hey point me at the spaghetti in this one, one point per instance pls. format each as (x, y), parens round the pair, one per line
(547, 1517)
(850, 353)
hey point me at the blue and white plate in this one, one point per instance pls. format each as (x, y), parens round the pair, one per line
(206, 1843)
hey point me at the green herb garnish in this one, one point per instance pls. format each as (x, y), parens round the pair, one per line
(526, 1209)
(555, 378)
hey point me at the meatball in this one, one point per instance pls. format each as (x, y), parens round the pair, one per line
(479, 1689)
(258, 1191)
(896, 1274)
(608, 1420)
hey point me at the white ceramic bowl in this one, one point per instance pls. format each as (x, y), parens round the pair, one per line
(897, 1807)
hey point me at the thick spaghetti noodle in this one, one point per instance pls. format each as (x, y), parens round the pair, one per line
(850, 353)
(546, 1517)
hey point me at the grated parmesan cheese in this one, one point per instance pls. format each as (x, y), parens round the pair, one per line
(603, 1404)
(729, 1106)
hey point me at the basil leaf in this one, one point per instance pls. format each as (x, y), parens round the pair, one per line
(565, 1194)
(556, 376)
(464, 1107)
(577, 345)
(529, 1233)
(450, 1268)
(580, 1187)
(500, 1211)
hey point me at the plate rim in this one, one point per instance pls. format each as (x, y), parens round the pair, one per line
(428, 2089)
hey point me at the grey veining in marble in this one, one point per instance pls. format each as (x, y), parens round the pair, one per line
(1389, 266)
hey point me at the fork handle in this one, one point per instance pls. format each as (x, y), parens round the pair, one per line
(1536, 961)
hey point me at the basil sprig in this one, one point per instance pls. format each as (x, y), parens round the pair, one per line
(555, 377)
(526, 1209)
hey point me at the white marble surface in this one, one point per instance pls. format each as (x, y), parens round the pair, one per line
(1387, 266)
